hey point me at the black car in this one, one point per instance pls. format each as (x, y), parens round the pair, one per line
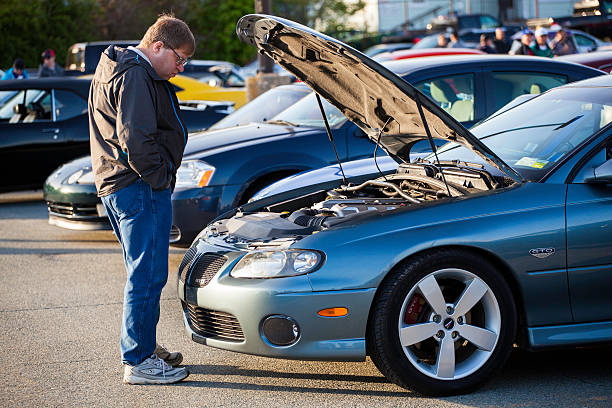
(43, 123)
(223, 168)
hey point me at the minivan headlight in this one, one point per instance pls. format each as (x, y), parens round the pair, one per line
(194, 173)
(277, 264)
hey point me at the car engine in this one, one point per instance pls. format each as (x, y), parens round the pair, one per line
(282, 223)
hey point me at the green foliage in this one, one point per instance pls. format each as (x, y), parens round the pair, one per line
(29, 27)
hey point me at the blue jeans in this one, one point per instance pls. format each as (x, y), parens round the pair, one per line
(141, 218)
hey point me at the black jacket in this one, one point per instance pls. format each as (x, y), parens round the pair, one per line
(135, 126)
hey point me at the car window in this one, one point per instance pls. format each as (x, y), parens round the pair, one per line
(306, 112)
(27, 105)
(508, 85)
(68, 105)
(601, 156)
(262, 108)
(584, 41)
(454, 94)
(488, 22)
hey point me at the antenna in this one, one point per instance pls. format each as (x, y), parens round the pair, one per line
(331, 137)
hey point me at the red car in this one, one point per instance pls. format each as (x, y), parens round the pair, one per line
(600, 59)
(424, 52)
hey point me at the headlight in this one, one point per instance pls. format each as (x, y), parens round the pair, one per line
(194, 173)
(277, 264)
(82, 176)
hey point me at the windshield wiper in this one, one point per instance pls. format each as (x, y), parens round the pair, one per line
(569, 122)
(282, 122)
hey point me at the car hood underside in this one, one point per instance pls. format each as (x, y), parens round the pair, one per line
(367, 93)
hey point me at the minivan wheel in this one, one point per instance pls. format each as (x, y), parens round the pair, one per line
(442, 323)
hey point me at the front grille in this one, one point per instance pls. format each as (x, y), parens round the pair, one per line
(82, 211)
(204, 269)
(213, 324)
(186, 262)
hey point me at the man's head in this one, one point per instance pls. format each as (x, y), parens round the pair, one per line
(48, 57)
(454, 36)
(499, 33)
(527, 37)
(18, 66)
(485, 39)
(561, 35)
(442, 40)
(541, 36)
(168, 44)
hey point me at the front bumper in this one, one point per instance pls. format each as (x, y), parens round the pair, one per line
(228, 313)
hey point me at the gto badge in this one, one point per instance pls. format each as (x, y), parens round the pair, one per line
(542, 252)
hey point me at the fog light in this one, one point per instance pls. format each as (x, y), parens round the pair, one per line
(280, 330)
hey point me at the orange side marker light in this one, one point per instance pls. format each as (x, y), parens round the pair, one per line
(333, 312)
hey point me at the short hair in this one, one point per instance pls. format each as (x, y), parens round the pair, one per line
(18, 64)
(173, 32)
(485, 37)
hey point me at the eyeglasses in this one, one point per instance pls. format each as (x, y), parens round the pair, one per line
(179, 60)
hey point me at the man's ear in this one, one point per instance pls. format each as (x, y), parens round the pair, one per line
(157, 45)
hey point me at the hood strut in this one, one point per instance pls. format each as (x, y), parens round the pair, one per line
(431, 142)
(331, 137)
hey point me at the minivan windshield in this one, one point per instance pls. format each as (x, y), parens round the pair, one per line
(535, 135)
(306, 112)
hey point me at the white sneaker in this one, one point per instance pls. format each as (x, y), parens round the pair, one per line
(172, 358)
(153, 370)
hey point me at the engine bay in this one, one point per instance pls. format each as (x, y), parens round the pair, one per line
(282, 223)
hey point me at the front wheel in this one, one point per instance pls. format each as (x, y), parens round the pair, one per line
(442, 323)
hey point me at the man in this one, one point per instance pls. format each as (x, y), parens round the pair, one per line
(17, 71)
(442, 41)
(561, 44)
(455, 42)
(49, 68)
(541, 48)
(137, 140)
(500, 43)
(523, 47)
(486, 44)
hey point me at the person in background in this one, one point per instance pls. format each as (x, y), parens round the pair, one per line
(442, 41)
(500, 43)
(49, 68)
(455, 42)
(541, 48)
(561, 44)
(17, 71)
(486, 44)
(523, 47)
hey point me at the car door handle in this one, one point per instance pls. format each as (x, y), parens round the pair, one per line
(55, 132)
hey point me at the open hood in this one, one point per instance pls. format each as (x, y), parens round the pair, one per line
(366, 92)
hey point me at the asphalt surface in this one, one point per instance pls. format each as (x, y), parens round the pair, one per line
(60, 307)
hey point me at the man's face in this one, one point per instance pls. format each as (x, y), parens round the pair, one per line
(165, 61)
(442, 40)
(17, 71)
(499, 34)
(526, 39)
(49, 61)
(541, 39)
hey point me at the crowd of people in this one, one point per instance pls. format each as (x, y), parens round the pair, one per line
(531, 43)
(47, 68)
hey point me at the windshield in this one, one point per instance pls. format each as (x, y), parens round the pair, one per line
(535, 135)
(306, 112)
(264, 107)
(430, 41)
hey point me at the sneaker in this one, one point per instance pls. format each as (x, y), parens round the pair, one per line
(153, 370)
(172, 358)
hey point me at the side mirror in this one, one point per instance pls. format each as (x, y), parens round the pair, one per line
(601, 174)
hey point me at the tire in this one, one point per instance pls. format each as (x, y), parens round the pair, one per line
(457, 326)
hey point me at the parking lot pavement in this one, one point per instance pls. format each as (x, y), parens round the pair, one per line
(60, 306)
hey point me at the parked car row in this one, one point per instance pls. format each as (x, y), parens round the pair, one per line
(240, 160)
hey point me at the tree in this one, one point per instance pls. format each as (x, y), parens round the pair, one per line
(327, 15)
(29, 27)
